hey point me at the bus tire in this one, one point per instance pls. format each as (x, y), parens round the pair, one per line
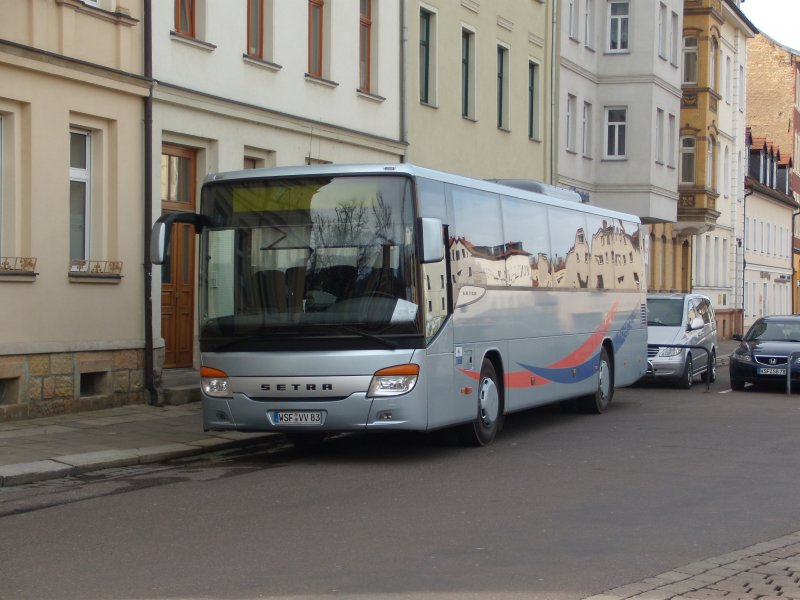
(598, 402)
(489, 420)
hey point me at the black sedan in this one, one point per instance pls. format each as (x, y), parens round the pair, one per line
(764, 352)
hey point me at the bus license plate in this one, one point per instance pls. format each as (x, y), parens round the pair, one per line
(296, 417)
(771, 371)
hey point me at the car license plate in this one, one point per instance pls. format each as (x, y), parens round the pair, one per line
(771, 371)
(296, 417)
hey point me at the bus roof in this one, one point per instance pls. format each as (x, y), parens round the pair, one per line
(553, 199)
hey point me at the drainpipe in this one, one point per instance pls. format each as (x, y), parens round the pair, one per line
(553, 66)
(149, 372)
(404, 78)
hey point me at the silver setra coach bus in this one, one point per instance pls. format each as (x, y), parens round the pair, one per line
(339, 298)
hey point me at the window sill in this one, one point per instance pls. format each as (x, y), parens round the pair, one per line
(614, 158)
(18, 276)
(118, 17)
(571, 151)
(370, 96)
(321, 81)
(504, 129)
(261, 63)
(613, 52)
(190, 41)
(94, 277)
(470, 119)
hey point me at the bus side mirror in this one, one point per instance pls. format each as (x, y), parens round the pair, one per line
(432, 242)
(162, 230)
(159, 238)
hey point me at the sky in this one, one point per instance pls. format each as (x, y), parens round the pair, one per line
(779, 19)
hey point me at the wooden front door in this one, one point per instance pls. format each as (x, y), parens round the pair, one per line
(178, 169)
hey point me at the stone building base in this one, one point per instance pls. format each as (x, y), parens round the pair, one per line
(39, 385)
(729, 322)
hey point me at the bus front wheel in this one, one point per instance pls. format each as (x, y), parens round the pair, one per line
(597, 402)
(489, 419)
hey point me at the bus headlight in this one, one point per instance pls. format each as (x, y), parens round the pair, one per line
(393, 381)
(215, 383)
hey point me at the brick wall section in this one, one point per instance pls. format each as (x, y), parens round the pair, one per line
(770, 92)
(37, 385)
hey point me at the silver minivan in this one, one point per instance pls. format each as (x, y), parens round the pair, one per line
(675, 323)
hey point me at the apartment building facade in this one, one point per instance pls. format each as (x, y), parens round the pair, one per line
(714, 153)
(768, 241)
(773, 89)
(479, 87)
(71, 148)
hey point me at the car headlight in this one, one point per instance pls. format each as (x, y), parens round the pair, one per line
(667, 352)
(394, 381)
(742, 356)
(215, 383)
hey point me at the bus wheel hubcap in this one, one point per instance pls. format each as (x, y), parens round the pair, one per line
(489, 402)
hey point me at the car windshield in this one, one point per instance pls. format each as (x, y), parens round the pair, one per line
(665, 312)
(774, 331)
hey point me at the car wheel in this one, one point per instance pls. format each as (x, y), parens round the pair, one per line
(711, 376)
(688, 374)
(597, 403)
(489, 419)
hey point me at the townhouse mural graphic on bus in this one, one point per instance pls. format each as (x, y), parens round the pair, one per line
(559, 250)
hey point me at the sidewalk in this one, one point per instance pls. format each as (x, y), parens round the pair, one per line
(62, 445)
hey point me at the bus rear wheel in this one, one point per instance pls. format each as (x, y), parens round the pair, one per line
(598, 402)
(489, 420)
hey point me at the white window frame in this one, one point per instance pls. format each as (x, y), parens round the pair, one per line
(688, 52)
(83, 175)
(572, 19)
(728, 78)
(710, 152)
(662, 30)
(503, 86)
(675, 37)
(587, 130)
(588, 24)
(615, 127)
(572, 107)
(534, 71)
(671, 137)
(433, 78)
(688, 151)
(468, 87)
(660, 136)
(618, 23)
(712, 64)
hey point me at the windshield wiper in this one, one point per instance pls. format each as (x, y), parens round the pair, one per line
(375, 338)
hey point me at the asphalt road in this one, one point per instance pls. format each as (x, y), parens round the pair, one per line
(560, 506)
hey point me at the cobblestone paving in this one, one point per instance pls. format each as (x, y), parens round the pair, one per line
(766, 571)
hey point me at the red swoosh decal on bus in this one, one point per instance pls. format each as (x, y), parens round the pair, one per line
(524, 379)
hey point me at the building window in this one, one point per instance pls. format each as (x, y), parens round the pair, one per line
(728, 77)
(502, 87)
(365, 45)
(255, 28)
(662, 30)
(79, 193)
(710, 163)
(742, 84)
(427, 57)
(615, 132)
(674, 37)
(185, 17)
(659, 136)
(671, 133)
(467, 74)
(572, 105)
(315, 30)
(533, 100)
(572, 22)
(618, 25)
(588, 24)
(690, 60)
(688, 147)
(712, 65)
(587, 130)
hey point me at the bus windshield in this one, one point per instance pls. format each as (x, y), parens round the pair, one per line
(292, 262)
